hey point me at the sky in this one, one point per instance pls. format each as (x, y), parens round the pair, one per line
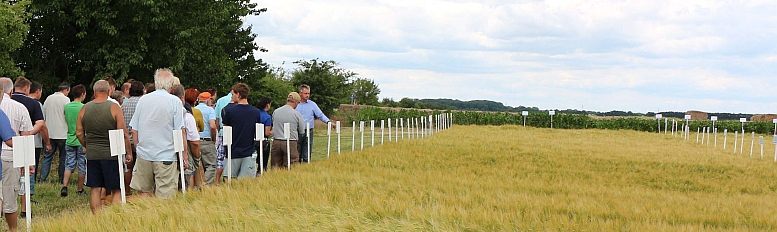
(641, 56)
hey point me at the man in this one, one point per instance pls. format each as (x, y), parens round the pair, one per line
(125, 88)
(213, 97)
(221, 152)
(111, 82)
(22, 88)
(310, 112)
(22, 125)
(136, 90)
(286, 114)
(192, 138)
(207, 147)
(75, 152)
(243, 119)
(53, 111)
(6, 135)
(157, 114)
(94, 121)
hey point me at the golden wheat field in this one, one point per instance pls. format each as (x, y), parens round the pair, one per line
(478, 178)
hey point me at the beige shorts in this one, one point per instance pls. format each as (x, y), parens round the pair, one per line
(11, 185)
(155, 177)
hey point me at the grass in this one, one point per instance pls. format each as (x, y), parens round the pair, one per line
(473, 178)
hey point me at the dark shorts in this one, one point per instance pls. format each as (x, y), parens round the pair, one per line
(102, 173)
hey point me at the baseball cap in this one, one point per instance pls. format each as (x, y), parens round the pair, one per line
(204, 96)
(294, 97)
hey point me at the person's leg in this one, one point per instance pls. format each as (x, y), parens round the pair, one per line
(208, 153)
(10, 183)
(38, 152)
(70, 165)
(95, 181)
(128, 172)
(165, 179)
(295, 157)
(59, 146)
(81, 162)
(266, 155)
(278, 154)
(142, 177)
(302, 146)
(221, 153)
(247, 168)
(95, 201)
(45, 164)
(111, 180)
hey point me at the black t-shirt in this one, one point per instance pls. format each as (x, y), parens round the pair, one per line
(32, 105)
(243, 119)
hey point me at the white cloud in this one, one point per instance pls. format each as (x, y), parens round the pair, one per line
(625, 55)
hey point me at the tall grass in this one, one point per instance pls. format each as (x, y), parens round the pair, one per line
(481, 178)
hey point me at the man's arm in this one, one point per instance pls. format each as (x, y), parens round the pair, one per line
(195, 148)
(37, 127)
(135, 137)
(213, 129)
(44, 134)
(320, 115)
(80, 128)
(185, 153)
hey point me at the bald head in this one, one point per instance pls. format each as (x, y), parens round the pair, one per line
(102, 86)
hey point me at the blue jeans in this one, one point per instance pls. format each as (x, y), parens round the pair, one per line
(303, 145)
(45, 166)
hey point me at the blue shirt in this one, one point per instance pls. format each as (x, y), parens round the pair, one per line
(207, 115)
(243, 119)
(220, 104)
(156, 116)
(265, 119)
(310, 112)
(6, 132)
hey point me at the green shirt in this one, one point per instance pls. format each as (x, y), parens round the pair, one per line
(71, 117)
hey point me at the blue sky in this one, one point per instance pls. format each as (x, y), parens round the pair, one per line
(714, 56)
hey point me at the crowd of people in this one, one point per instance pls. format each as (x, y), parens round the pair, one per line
(76, 128)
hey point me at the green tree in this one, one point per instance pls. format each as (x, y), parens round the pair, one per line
(329, 84)
(203, 41)
(13, 31)
(407, 103)
(389, 102)
(365, 91)
(276, 85)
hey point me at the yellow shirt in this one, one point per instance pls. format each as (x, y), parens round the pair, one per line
(198, 118)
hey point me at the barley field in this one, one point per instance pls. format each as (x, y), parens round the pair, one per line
(478, 178)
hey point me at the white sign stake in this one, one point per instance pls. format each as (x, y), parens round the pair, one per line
(372, 132)
(752, 142)
(337, 124)
(551, 117)
(742, 145)
(761, 142)
(227, 133)
(725, 138)
(361, 129)
(287, 136)
(389, 129)
(697, 134)
(178, 146)
(658, 118)
(24, 156)
(524, 113)
(708, 136)
(423, 127)
(353, 136)
(329, 138)
(381, 131)
(118, 149)
(307, 141)
(775, 126)
(736, 140)
(703, 133)
(260, 138)
(402, 126)
(775, 148)
(666, 126)
(716, 136)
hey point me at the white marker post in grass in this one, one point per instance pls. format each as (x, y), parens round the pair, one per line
(658, 118)
(743, 120)
(708, 135)
(24, 157)
(761, 142)
(524, 113)
(775, 126)
(742, 145)
(259, 137)
(337, 124)
(713, 119)
(287, 136)
(372, 132)
(422, 128)
(381, 131)
(715, 132)
(703, 132)
(353, 136)
(736, 140)
(551, 117)
(774, 141)
(697, 134)
(752, 143)
(118, 149)
(666, 126)
(417, 131)
(725, 138)
(329, 138)
(361, 129)
(688, 126)
(402, 126)
(227, 133)
(389, 129)
(178, 147)
(307, 141)
(396, 130)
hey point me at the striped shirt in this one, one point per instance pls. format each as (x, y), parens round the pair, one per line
(128, 109)
(20, 121)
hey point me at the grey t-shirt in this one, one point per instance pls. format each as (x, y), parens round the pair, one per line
(287, 114)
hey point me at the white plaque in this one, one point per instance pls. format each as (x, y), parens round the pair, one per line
(761, 140)
(687, 117)
(227, 135)
(742, 119)
(286, 130)
(337, 124)
(659, 116)
(552, 112)
(714, 118)
(178, 140)
(259, 132)
(372, 125)
(116, 139)
(524, 113)
(361, 126)
(774, 120)
(23, 150)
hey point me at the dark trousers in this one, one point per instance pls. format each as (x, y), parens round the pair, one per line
(57, 145)
(303, 146)
(264, 157)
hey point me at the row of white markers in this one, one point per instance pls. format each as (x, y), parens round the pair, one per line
(24, 146)
(705, 134)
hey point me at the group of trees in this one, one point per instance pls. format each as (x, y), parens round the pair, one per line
(204, 42)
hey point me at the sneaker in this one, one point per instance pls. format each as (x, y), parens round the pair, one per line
(63, 192)
(81, 192)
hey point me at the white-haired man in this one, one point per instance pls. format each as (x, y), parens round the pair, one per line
(157, 114)
(22, 125)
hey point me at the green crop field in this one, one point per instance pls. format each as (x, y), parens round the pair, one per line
(475, 178)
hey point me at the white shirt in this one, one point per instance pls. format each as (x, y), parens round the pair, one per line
(114, 101)
(54, 112)
(192, 134)
(20, 121)
(157, 114)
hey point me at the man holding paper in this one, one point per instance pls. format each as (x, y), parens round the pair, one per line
(21, 124)
(242, 118)
(286, 114)
(93, 124)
